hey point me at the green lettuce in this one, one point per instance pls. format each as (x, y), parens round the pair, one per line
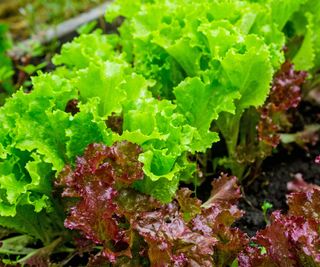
(221, 54)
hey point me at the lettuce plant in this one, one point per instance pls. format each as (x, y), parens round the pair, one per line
(290, 239)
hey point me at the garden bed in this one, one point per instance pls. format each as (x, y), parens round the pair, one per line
(26, 18)
(186, 137)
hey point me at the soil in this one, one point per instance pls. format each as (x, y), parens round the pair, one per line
(271, 185)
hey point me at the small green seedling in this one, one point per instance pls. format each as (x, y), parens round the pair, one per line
(265, 207)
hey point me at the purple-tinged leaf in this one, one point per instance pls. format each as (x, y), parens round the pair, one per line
(253, 257)
(291, 240)
(216, 220)
(224, 190)
(299, 185)
(189, 206)
(305, 204)
(285, 94)
(171, 242)
(93, 181)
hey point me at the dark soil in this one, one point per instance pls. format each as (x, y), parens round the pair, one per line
(271, 185)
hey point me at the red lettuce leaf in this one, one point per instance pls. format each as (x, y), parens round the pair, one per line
(216, 220)
(253, 257)
(171, 242)
(305, 199)
(130, 202)
(189, 206)
(93, 181)
(299, 185)
(305, 204)
(224, 190)
(291, 240)
(285, 94)
(115, 123)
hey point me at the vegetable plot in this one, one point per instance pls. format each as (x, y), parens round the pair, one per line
(92, 159)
